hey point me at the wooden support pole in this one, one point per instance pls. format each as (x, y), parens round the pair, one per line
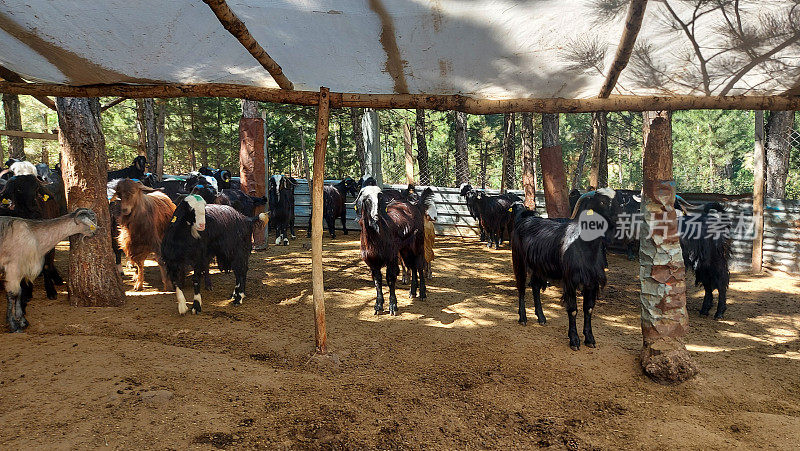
(30, 135)
(554, 177)
(662, 275)
(528, 161)
(238, 29)
(10, 75)
(251, 160)
(409, 101)
(323, 116)
(759, 186)
(409, 153)
(632, 25)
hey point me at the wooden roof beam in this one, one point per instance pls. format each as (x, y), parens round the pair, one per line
(238, 29)
(633, 23)
(10, 75)
(410, 101)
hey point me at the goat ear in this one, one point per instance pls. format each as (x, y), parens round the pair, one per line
(147, 189)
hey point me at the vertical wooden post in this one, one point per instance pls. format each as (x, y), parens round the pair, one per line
(598, 174)
(662, 275)
(370, 124)
(323, 112)
(759, 154)
(528, 161)
(409, 153)
(251, 159)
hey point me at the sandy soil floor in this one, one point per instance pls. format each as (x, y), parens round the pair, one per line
(455, 371)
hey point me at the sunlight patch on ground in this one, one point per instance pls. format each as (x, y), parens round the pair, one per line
(707, 348)
(793, 355)
(147, 293)
(619, 322)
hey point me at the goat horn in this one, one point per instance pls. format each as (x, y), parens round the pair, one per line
(685, 205)
(578, 203)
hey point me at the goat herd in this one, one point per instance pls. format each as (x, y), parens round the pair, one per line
(188, 222)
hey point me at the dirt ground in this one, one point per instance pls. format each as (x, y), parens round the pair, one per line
(455, 371)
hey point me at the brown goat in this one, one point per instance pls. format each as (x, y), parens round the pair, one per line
(144, 217)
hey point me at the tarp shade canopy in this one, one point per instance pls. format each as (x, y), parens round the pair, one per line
(479, 48)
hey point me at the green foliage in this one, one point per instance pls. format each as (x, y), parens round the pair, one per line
(712, 149)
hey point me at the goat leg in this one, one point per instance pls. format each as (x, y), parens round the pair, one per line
(589, 297)
(164, 279)
(537, 302)
(49, 283)
(420, 269)
(197, 302)
(308, 233)
(391, 280)
(19, 314)
(139, 281)
(238, 289)
(412, 268)
(708, 300)
(721, 304)
(377, 278)
(344, 221)
(12, 323)
(331, 222)
(570, 299)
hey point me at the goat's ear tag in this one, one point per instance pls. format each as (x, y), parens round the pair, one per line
(45, 197)
(510, 209)
(6, 201)
(92, 227)
(589, 212)
(174, 218)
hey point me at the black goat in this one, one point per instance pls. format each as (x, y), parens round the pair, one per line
(241, 202)
(705, 244)
(333, 205)
(135, 171)
(471, 195)
(198, 233)
(27, 197)
(494, 216)
(389, 229)
(544, 250)
(281, 207)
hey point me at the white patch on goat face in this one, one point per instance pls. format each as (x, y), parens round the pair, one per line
(198, 205)
(573, 234)
(371, 192)
(608, 192)
(278, 181)
(431, 211)
(182, 307)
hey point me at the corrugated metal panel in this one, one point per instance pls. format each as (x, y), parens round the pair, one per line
(781, 222)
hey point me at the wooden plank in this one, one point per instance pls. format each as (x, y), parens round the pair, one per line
(31, 135)
(10, 75)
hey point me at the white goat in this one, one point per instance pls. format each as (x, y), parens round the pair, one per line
(23, 245)
(23, 168)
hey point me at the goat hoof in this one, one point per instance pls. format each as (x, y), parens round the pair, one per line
(590, 344)
(523, 322)
(393, 312)
(23, 324)
(52, 296)
(285, 241)
(719, 316)
(196, 308)
(542, 322)
(294, 237)
(703, 312)
(575, 347)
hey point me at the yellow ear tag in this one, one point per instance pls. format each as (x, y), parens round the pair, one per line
(173, 219)
(510, 209)
(45, 197)
(589, 212)
(355, 207)
(6, 201)
(92, 227)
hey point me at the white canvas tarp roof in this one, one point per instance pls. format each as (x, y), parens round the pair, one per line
(478, 48)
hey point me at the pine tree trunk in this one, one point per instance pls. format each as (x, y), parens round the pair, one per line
(554, 179)
(528, 161)
(462, 162)
(93, 276)
(151, 134)
(251, 158)
(509, 151)
(358, 137)
(484, 162)
(422, 148)
(45, 153)
(192, 139)
(409, 154)
(372, 145)
(662, 275)
(11, 108)
(779, 130)
(160, 130)
(141, 128)
(598, 175)
(577, 176)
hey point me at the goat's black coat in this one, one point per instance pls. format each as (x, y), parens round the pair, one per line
(31, 199)
(281, 207)
(241, 202)
(543, 250)
(226, 237)
(707, 255)
(135, 171)
(333, 205)
(494, 216)
(471, 195)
